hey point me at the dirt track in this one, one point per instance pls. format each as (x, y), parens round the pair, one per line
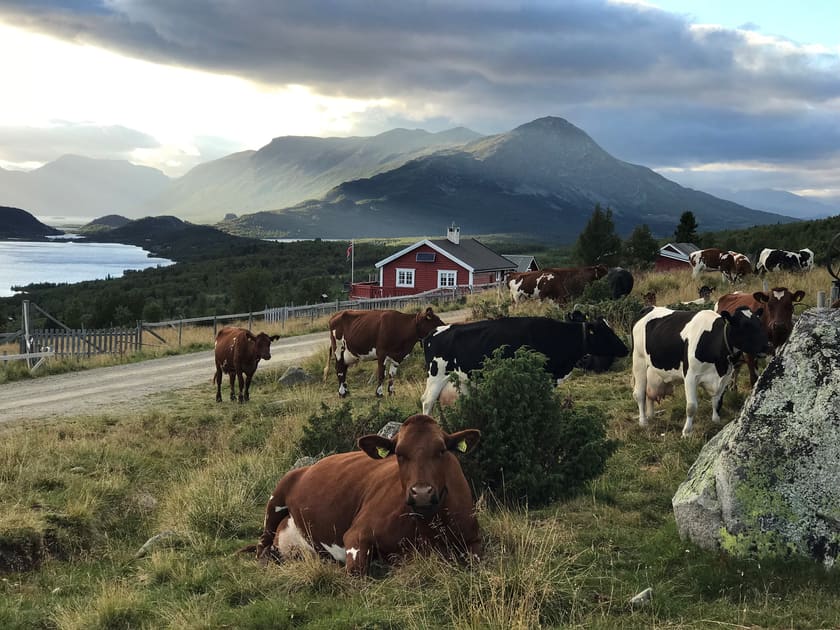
(129, 385)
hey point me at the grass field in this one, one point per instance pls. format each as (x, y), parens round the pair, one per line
(79, 498)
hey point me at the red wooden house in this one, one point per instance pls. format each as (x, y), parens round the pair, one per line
(674, 256)
(436, 263)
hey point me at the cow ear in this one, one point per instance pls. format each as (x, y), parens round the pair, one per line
(759, 312)
(250, 335)
(376, 446)
(761, 296)
(726, 315)
(463, 441)
(797, 297)
(429, 313)
(274, 337)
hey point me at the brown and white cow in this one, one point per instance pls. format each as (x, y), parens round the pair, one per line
(559, 284)
(777, 316)
(732, 265)
(387, 336)
(393, 497)
(238, 351)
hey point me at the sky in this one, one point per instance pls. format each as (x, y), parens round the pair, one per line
(712, 94)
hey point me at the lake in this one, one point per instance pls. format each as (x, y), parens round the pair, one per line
(27, 262)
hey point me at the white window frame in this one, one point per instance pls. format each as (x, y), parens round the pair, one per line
(447, 273)
(408, 281)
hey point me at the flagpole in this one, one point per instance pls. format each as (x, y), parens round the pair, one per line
(352, 261)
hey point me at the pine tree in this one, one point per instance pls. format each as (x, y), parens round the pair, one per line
(640, 248)
(598, 244)
(686, 231)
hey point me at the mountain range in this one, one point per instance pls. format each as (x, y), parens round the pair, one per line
(542, 178)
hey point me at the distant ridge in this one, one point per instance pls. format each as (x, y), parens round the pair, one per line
(542, 179)
(291, 169)
(77, 186)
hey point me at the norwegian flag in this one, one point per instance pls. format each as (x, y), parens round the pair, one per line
(349, 250)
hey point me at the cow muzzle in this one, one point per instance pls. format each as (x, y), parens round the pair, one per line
(424, 498)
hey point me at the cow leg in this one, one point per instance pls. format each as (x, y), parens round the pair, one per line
(248, 378)
(752, 366)
(218, 380)
(358, 552)
(690, 403)
(392, 372)
(232, 386)
(717, 396)
(275, 512)
(241, 386)
(341, 372)
(434, 386)
(380, 375)
(640, 388)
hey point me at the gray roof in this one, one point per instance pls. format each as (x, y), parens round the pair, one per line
(522, 261)
(678, 251)
(477, 255)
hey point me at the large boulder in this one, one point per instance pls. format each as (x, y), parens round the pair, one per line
(768, 484)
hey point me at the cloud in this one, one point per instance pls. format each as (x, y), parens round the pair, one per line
(646, 84)
(41, 144)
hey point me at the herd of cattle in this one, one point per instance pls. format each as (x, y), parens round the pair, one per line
(734, 266)
(409, 491)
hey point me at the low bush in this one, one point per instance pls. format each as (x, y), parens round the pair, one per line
(535, 448)
(336, 430)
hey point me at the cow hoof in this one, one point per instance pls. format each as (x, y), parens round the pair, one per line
(218, 399)
(379, 394)
(343, 394)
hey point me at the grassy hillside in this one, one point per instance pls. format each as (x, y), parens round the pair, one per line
(91, 490)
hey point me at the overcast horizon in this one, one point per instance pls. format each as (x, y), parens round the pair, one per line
(738, 97)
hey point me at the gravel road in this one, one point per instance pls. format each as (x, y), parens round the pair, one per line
(99, 389)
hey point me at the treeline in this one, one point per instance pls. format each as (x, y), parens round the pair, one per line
(815, 235)
(273, 274)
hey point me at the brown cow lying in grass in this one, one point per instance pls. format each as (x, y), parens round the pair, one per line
(394, 496)
(238, 351)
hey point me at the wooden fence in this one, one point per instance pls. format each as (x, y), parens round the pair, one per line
(84, 343)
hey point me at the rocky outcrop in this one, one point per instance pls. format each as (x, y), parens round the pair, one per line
(768, 484)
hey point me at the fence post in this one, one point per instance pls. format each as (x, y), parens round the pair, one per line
(214, 326)
(180, 329)
(250, 320)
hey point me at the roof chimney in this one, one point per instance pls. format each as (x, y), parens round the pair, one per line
(453, 234)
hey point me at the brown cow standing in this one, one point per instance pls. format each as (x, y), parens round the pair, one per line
(397, 495)
(732, 265)
(777, 316)
(387, 336)
(238, 351)
(559, 284)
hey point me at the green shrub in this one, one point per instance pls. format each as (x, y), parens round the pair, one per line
(336, 430)
(621, 314)
(534, 447)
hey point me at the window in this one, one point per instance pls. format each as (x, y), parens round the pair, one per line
(405, 277)
(425, 257)
(447, 278)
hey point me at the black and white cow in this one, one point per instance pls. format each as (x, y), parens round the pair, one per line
(698, 348)
(781, 260)
(461, 348)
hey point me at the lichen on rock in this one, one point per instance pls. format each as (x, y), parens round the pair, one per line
(768, 484)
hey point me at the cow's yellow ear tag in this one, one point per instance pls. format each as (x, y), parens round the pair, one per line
(462, 446)
(382, 452)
